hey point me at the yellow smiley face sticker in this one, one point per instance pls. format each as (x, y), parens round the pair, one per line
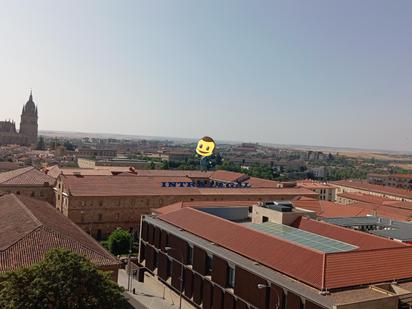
(205, 146)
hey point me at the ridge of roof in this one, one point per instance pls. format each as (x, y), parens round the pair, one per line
(14, 173)
(28, 211)
(49, 220)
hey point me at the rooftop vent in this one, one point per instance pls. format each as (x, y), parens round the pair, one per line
(282, 206)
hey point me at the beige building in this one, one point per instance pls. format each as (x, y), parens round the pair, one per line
(402, 181)
(327, 192)
(28, 181)
(356, 186)
(99, 204)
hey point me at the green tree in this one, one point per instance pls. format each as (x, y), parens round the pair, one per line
(41, 145)
(63, 280)
(69, 146)
(119, 242)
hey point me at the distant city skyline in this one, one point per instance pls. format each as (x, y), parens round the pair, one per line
(326, 73)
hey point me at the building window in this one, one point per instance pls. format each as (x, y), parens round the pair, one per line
(169, 267)
(99, 234)
(156, 261)
(231, 276)
(100, 217)
(33, 194)
(190, 255)
(209, 264)
(265, 219)
(118, 216)
(100, 203)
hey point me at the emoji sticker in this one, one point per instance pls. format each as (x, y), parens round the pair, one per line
(205, 146)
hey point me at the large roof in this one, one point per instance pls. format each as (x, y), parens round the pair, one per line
(25, 176)
(313, 185)
(374, 199)
(376, 259)
(29, 228)
(327, 209)
(55, 171)
(363, 185)
(130, 185)
(329, 300)
(228, 176)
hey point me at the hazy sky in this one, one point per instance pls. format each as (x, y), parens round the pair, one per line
(330, 72)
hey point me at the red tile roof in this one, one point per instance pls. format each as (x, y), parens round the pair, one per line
(312, 185)
(25, 176)
(385, 211)
(328, 209)
(276, 253)
(367, 267)
(360, 239)
(263, 183)
(363, 185)
(374, 199)
(380, 206)
(227, 176)
(376, 260)
(29, 228)
(367, 198)
(56, 171)
(124, 185)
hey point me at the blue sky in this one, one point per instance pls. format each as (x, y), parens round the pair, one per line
(335, 73)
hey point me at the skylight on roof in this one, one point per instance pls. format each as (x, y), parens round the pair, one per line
(303, 238)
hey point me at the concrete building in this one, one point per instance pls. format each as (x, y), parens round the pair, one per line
(326, 191)
(305, 265)
(28, 127)
(99, 204)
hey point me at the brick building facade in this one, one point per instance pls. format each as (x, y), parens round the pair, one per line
(100, 204)
(224, 265)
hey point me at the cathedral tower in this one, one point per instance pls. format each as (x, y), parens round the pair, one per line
(28, 124)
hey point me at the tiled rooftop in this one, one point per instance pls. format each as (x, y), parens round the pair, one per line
(375, 260)
(363, 185)
(29, 228)
(25, 176)
(130, 185)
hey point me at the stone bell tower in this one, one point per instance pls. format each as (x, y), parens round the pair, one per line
(29, 121)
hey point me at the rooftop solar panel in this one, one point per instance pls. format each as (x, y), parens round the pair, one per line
(304, 238)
